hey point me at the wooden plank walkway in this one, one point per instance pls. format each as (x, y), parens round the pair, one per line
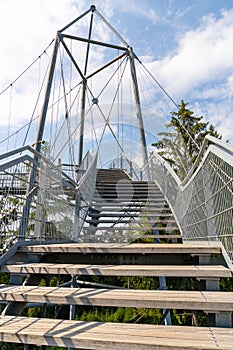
(169, 299)
(197, 271)
(134, 248)
(114, 336)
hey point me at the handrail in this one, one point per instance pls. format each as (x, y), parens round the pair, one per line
(34, 152)
(203, 202)
(122, 161)
(207, 141)
(54, 203)
(84, 196)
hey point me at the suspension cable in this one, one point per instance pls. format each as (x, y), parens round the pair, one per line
(36, 117)
(111, 77)
(44, 52)
(36, 104)
(170, 98)
(17, 131)
(157, 82)
(9, 117)
(107, 119)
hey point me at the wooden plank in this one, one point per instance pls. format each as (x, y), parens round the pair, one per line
(114, 336)
(159, 207)
(134, 248)
(163, 299)
(158, 236)
(131, 196)
(198, 271)
(127, 215)
(134, 226)
(127, 191)
(119, 201)
(141, 221)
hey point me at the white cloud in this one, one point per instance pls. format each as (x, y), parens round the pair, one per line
(202, 55)
(152, 16)
(198, 69)
(26, 28)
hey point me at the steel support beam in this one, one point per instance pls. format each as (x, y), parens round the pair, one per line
(138, 107)
(30, 191)
(82, 117)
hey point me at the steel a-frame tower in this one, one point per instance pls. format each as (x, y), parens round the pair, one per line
(123, 50)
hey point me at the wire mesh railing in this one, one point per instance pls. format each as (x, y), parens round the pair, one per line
(203, 203)
(130, 167)
(58, 204)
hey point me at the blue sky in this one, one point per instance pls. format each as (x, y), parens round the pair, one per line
(186, 45)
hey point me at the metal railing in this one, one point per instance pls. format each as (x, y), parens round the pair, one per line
(203, 202)
(58, 204)
(130, 167)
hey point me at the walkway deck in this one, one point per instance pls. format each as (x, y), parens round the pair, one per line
(114, 336)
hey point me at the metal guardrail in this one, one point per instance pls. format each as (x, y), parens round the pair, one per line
(203, 203)
(58, 206)
(130, 167)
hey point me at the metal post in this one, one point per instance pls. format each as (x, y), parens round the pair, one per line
(82, 117)
(138, 107)
(30, 191)
(162, 279)
(72, 307)
(83, 96)
(47, 95)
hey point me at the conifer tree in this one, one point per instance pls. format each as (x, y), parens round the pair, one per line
(181, 143)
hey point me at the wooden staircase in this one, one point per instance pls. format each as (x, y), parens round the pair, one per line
(123, 209)
(201, 262)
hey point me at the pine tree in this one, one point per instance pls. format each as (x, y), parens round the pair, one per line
(180, 145)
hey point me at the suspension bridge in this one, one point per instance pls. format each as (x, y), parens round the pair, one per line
(77, 201)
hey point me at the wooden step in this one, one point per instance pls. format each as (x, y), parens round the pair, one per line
(161, 236)
(114, 336)
(158, 236)
(128, 193)
(127, 198)
(132, 228)
(127, 215)
(131, 221)
(168, 299)
(132, 208)
(134, 248)
(125, 190)
(125, 183)
(161, 204)
(197, 271)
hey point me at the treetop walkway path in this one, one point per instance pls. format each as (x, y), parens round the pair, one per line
(71, 219)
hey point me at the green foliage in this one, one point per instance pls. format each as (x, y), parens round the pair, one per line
(11, 346)
(54, 282)
(4, 278)
(226, 284)
(188, 318)
(121, 315)
(35, 312)
(42, 283)
(180, 145)
(136, 282)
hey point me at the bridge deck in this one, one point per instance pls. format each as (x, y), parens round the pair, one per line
(171, 299)
(99, 336)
